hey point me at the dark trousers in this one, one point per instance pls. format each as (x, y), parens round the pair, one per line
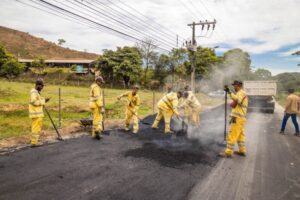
(294, 119)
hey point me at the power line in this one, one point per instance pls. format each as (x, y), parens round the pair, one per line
(159, 25)
(161, 40)
(134, 20)
(96, 23)
(211, 15)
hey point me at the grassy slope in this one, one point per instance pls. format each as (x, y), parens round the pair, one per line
(14, 99)
(25, 45)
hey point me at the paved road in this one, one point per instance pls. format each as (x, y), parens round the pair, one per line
(270, 171)
(153, 166)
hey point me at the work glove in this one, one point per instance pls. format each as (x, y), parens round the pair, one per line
(118, 98)
(226, 89)
(47, 99)
(102, 110)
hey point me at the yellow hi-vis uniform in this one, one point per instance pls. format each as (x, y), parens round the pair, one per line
(133, 103)
(96, 104)
(237, 125)
(167, 106)
(192, 108)
(36, 114)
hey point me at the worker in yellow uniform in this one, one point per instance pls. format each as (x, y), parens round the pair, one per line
(36, 113)
(167, 107)
(191, 107)
(96, 106)
(238, 120)
(133, 103)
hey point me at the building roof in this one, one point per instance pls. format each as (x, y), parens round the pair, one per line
(71, 61)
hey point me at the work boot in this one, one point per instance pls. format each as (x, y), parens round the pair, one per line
(135, 131)
(169, 133)
(126, 128)
(98, 135)
(224, 155)
(281, 132)
(154, 127)
(36, 145)
(240, 153)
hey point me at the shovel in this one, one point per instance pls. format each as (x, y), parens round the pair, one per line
(54, 126)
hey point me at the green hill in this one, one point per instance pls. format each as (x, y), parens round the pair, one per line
(25, 45)
(288, 80)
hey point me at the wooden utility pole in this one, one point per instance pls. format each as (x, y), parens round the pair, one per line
(192, 46)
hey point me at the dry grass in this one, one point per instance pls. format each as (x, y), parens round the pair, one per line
(27, 46)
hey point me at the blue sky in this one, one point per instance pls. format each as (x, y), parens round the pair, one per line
(268, 30)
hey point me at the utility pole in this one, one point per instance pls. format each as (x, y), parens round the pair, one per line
(192, 46)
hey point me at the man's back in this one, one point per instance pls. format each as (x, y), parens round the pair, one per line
(292, 104)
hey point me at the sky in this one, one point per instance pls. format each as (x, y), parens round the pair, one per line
(268, 30)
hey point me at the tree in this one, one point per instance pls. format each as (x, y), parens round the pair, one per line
(38, 64)
(262, 74)
(128, 64)
(205, 59)
(236, 64)
(11, 69)
(61, 41)
(9, 65)
(106, 63)
(178, 61)
(161, 68)
(124, 63)
(146, 49)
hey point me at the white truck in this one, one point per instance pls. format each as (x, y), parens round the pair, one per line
(261, 95)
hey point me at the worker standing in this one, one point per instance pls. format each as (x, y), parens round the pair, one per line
(133, 103)
(36, 113)
(291, 109)
(238, 120)
(167, 107)
(96, 106)
(191, 107)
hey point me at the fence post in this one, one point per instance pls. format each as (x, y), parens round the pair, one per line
(153, 105)
(59, 107)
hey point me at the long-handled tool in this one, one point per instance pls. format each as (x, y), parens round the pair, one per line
(106, 132)
(54, 126)
(141, 120)
(178, 117)
(225, 117)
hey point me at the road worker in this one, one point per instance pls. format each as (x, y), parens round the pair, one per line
(96, 106)
(291, 109)
(133, 103)
(238, 119)
(191, 107)
(167, 107)
(36, 113)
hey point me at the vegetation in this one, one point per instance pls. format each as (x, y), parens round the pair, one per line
(15, 98)
(38, 64)
(24, 45)
(9, 65)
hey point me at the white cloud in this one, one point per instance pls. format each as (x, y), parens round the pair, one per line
(273, 23)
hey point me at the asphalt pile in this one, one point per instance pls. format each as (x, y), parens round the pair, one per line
(150, 165)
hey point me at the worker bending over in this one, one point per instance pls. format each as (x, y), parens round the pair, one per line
(191, 107)
(96, 106)
(238, 120)
(36, 113)
(133, 103)
(167, 107)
